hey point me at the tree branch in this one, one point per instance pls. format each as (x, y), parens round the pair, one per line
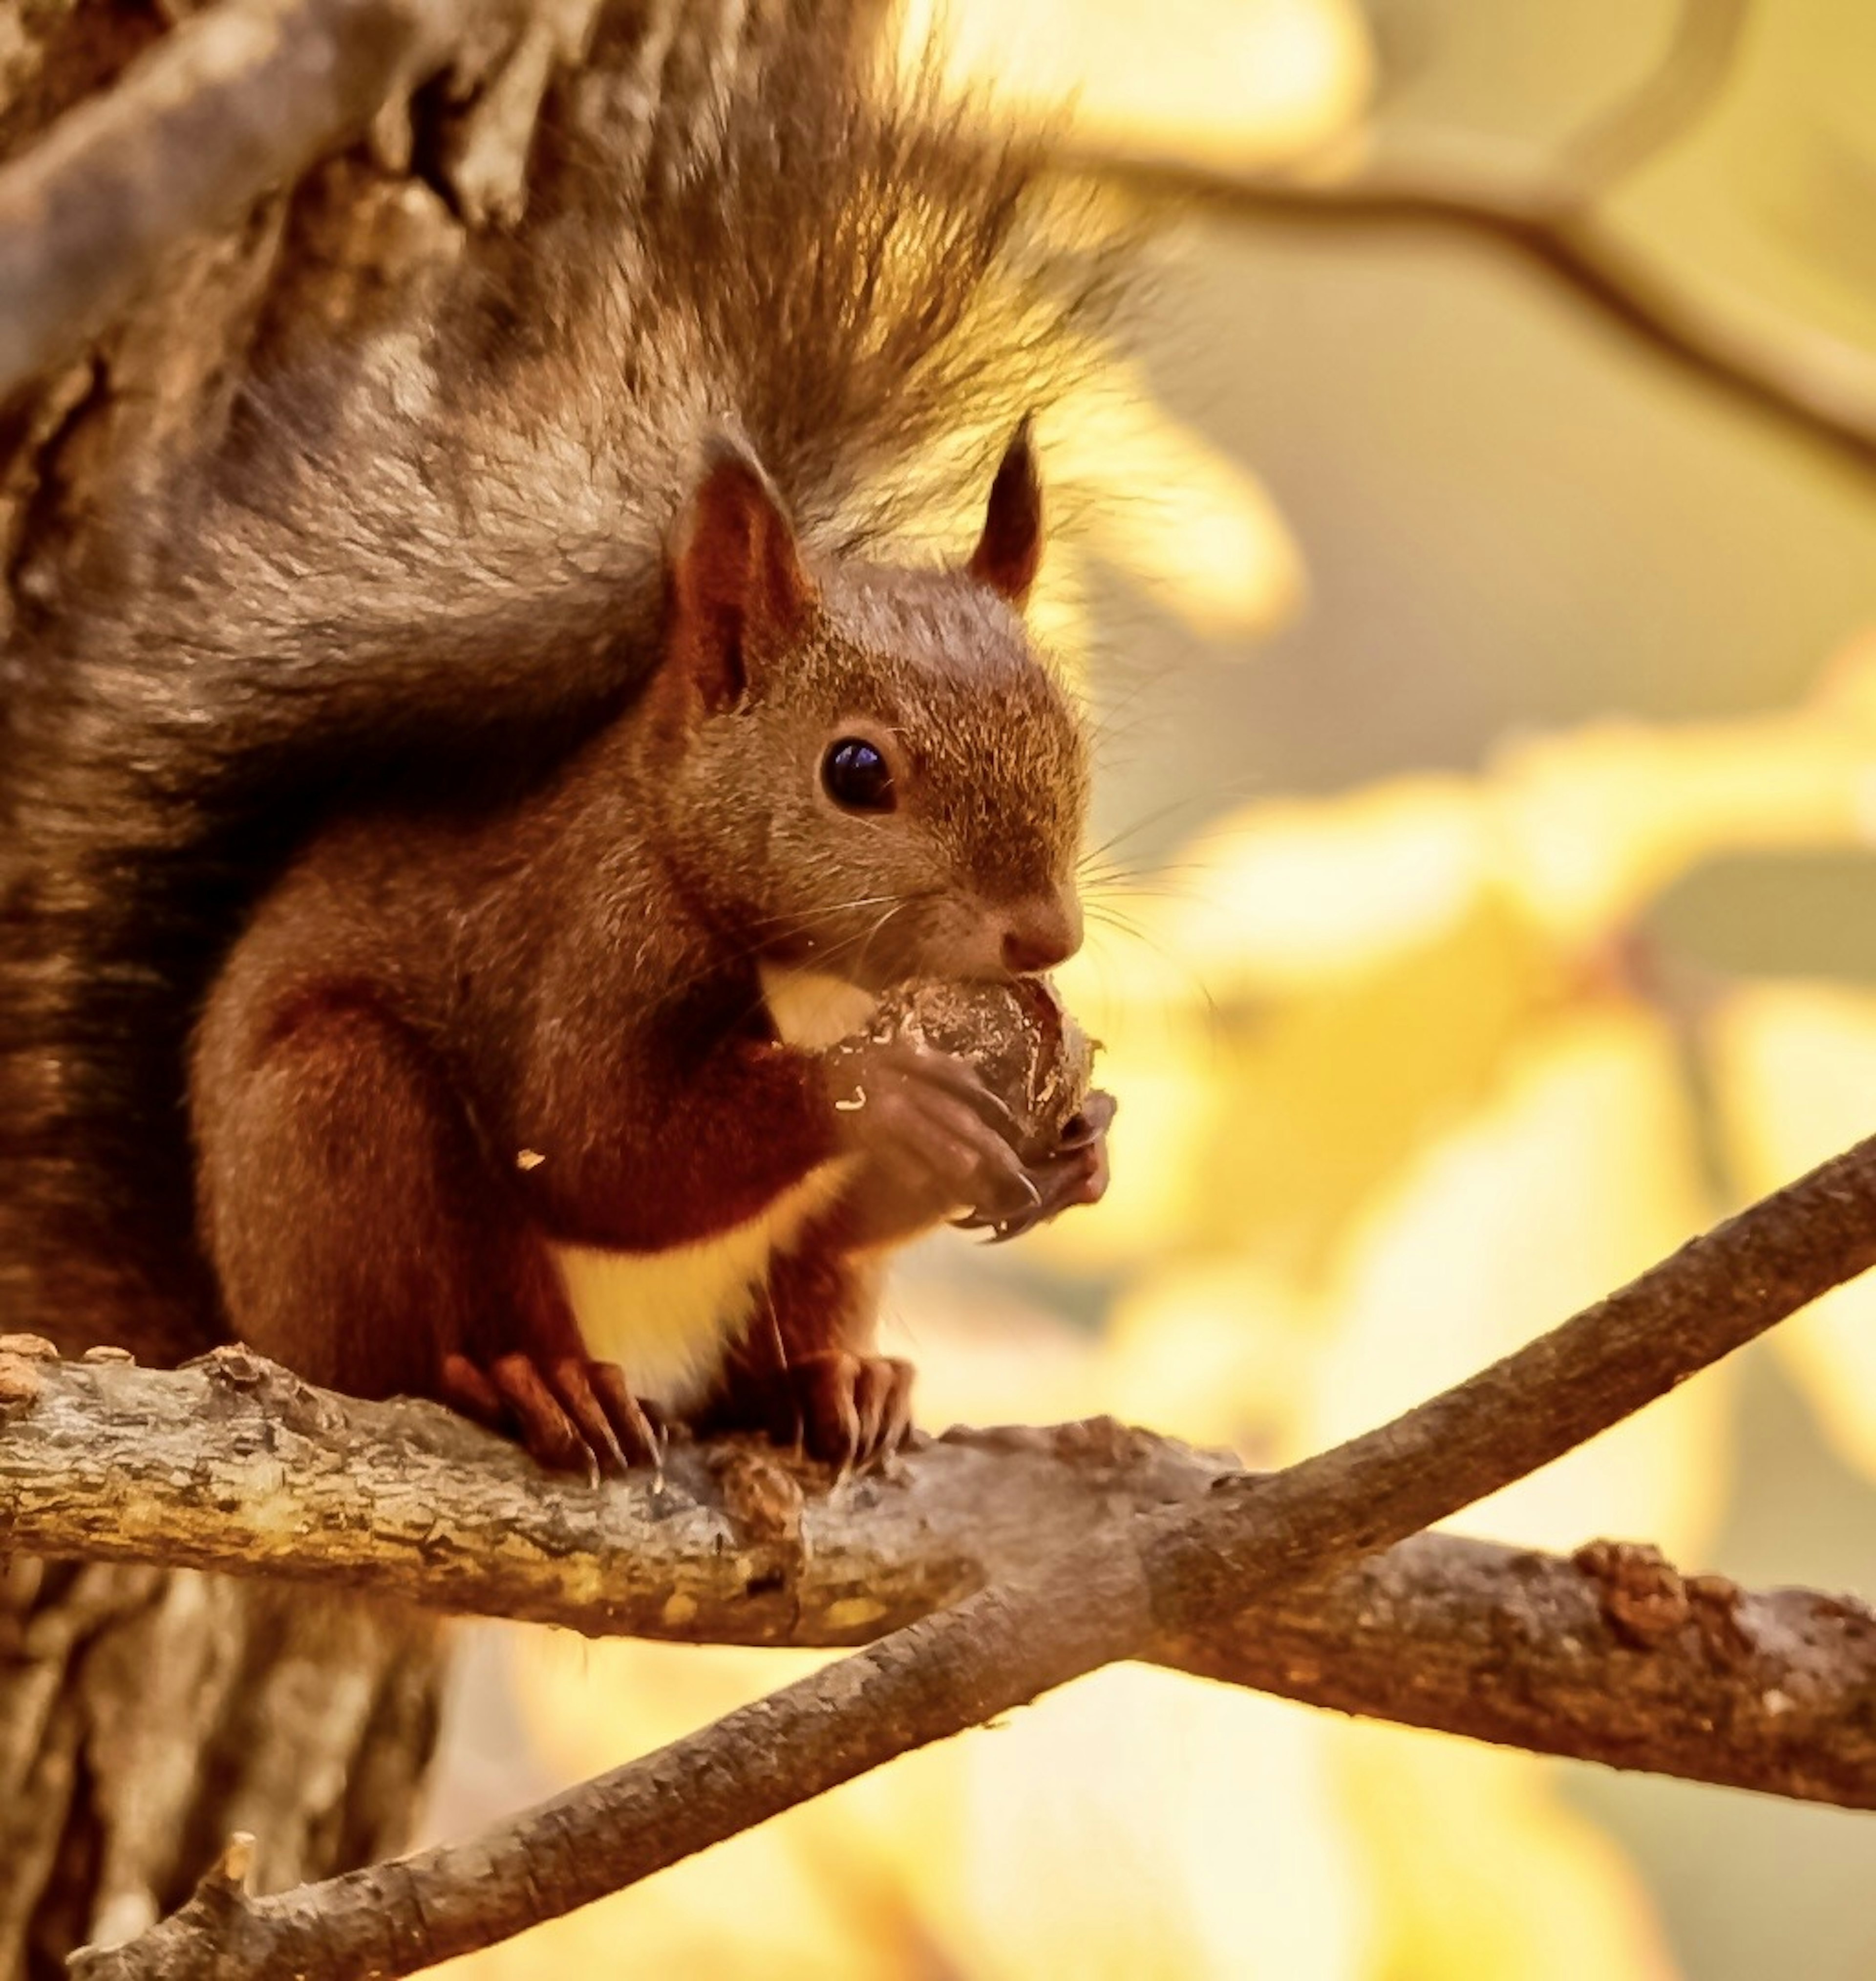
(1122, 1591)
(236, 1466)
(1610, 1656)
(1663, 107)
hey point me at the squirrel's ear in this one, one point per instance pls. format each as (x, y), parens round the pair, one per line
(738, 589)
(1010, 552)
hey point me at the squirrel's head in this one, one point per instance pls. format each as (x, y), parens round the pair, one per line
(867, 770)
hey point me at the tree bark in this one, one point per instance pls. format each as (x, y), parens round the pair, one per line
(1610, 1656)
(144, 1716)
(1170, 1577)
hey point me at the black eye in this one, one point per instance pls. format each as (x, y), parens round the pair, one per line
(856, 776)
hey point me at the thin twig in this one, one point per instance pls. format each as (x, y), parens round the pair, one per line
(1663, 107)
(1803, 378)
(1249, 1543)
(1545, 213)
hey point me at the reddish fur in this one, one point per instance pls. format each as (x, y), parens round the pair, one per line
(293, 806)
(424, 997)
(807, 1370)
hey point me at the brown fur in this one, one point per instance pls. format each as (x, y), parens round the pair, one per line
(422, 997)
(338, 691)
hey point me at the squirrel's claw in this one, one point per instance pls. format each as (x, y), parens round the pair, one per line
(930, 1135)
(1076, 1172)
(852, 1409)
(570, 1415)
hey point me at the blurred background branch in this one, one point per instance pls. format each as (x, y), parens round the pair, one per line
(1546, 213)
(1663, 107)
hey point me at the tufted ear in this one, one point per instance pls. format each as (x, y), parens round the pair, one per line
(738, 591)
(1010, 552)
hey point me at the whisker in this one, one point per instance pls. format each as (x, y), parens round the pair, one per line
(1102, 923)
(858, 942)
(761, 924)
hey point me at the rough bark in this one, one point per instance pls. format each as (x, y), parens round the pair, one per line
(1611, 1656)
(145, 1715)
(1140, 1578)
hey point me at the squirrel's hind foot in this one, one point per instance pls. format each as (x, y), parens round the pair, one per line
(842, 1408)
(850, 1409)
(570, 1414)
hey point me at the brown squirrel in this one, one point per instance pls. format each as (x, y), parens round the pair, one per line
(447, 859)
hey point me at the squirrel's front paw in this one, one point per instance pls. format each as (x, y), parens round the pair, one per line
(570, 1414)
(934, 1141)
(1074, 1172)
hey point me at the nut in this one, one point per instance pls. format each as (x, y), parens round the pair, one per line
(1020, 1036)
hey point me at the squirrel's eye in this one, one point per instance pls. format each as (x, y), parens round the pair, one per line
(856, 776)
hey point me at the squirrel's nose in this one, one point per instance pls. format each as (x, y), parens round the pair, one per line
(1040, 932)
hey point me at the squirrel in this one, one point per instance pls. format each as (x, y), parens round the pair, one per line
(449, 857)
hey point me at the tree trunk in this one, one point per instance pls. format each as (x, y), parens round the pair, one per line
(146, 1716)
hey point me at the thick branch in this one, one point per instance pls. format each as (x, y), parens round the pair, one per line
(235, 1466)
(239, 99)
(238, 1467)
(1262, 1535)
(1609, 1656)
(1115, 1595)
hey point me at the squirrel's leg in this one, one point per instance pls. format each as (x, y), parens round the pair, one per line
(359, 1238)
(806, 1373)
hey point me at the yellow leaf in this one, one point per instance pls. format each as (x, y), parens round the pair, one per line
(1320, 1099)
(1216, 1351)
(1254, 1128)
(1138, 1825)
(1291, 894)
(1190, 525)
(593, 1706)
(1255, 84)
(1593, 824)
(1574, 833)
(1580, 1171)
(986, 1856)
(1478, 1873)
(985, 1354)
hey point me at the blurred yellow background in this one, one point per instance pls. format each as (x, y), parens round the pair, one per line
(1489, 718)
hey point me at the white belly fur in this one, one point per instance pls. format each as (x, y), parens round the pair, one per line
(668, 1318)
